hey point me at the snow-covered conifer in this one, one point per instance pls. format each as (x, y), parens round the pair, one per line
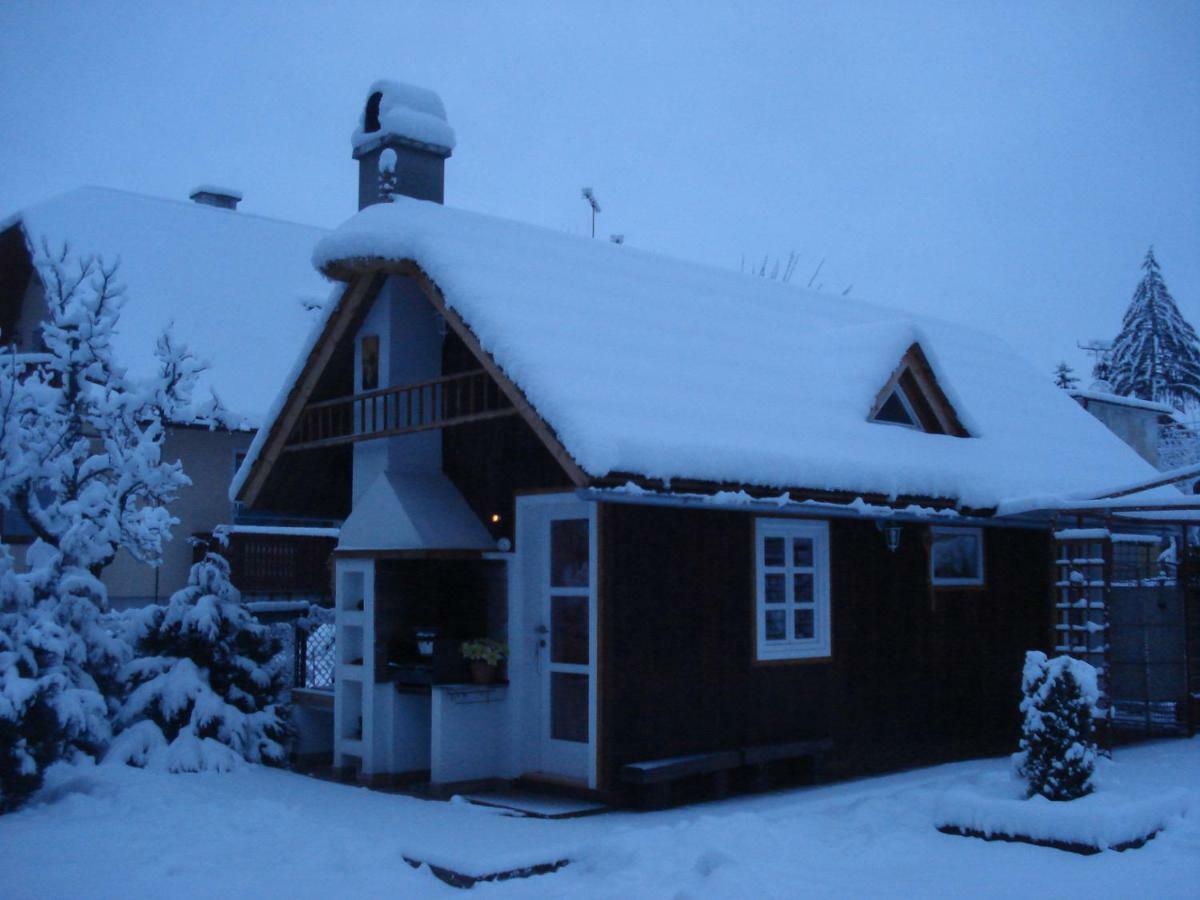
(82, 443)
(81, 448)
(1157, 354)
(201, 692)
(1057, 754)
(1064, 377)
(50, 709)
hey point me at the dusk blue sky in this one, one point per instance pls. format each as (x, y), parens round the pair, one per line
(1004, 165)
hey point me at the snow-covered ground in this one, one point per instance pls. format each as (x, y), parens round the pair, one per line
(115, 832)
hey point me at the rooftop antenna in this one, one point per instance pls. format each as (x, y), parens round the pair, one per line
(590, 197)
(816, 272)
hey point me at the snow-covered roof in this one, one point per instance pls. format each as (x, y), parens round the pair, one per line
(407, 112)
(668, 369)
(1119, 400)
(239, 289)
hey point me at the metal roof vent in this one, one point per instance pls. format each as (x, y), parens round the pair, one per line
(220, 197)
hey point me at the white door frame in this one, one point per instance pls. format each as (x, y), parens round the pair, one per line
(539, 753)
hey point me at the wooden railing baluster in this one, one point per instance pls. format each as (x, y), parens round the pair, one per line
(437, 403)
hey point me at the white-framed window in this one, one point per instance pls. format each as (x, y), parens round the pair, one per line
(792, 589)
(956, 557)
(897, 409)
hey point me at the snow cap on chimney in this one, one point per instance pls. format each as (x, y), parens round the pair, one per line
(406, 113)
(211, 195)
(401, 143)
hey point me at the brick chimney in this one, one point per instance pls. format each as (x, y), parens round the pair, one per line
(402, 143)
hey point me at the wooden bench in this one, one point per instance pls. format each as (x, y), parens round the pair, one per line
(654, 777)
(760, 757)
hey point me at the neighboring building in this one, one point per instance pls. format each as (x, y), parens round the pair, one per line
(1139, 423)
(719, 521)
(240, 291)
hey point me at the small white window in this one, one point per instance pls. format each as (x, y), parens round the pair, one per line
(792, 595)
(956, 556)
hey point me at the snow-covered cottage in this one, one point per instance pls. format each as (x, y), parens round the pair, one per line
(721, 523)
(240, 291)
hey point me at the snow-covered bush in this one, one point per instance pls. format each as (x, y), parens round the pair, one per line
(50, 709)
(1057, 754)
(201, 692)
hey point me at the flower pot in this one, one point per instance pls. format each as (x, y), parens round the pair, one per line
(482, 672)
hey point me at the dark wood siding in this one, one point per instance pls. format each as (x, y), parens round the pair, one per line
(490, 461)
(917, 676)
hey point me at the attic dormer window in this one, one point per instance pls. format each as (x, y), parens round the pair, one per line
(371, 118)
(912, 398)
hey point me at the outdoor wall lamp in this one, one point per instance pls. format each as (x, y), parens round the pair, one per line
(891, 532)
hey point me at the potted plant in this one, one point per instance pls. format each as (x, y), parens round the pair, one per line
(484, 657)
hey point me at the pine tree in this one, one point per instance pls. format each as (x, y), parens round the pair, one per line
(49, 708)
(201, 692)
(81, 459)
(1157, 354)
(1057, 753)
(81, 445)
(1064, 377)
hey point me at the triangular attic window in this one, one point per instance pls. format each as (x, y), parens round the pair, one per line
(896, 411)
(912, 398)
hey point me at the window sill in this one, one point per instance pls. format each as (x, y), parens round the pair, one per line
(794, 660)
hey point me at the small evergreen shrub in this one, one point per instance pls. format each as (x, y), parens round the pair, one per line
(1057, 754)
(49, 709)
(201, 694)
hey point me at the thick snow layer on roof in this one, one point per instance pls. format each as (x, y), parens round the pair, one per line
(1118, 400)
(238, 289)
(406, 111)
(670, 369)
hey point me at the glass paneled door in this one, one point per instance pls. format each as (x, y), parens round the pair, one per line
(565, 620)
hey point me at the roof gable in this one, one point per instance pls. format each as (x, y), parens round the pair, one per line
(340, 323)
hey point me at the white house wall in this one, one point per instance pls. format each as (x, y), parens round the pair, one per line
(410, 350)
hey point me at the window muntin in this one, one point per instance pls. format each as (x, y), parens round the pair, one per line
(956, 556)
(792, 592)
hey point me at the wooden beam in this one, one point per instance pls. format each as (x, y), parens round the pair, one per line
(396, 432)
(916, 362)
(364, 288)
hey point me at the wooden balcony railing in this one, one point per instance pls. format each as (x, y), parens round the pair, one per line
(275, 563)
(437, 403)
